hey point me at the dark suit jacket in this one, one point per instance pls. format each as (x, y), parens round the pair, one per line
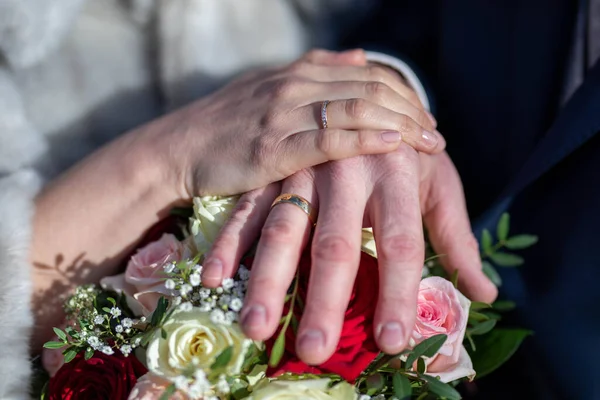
(497, 71)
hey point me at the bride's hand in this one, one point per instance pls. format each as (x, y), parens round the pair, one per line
(267, 125)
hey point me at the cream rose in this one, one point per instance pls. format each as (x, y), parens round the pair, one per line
(210, 214)
(313, 389)
(144, 278)
(194, 340)
(442, 309)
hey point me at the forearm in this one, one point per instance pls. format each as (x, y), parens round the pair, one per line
(88, 219)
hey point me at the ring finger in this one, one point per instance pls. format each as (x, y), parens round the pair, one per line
(284, 235)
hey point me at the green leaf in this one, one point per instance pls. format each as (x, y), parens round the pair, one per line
(112, 301)
(70, 355)
(491, 273)
(495, 348)
(479, 305)
(61, 335)
(504, 305)
(169, 391)
(54, 345)
(486, 241)
(519, 242)
(106, 310)
(421, 365)
(402, 387)
(71, 331)
(503, 227)
(454, 278)
(506, 259)
(477, 317)
(440, 388)
(89, 353)
(483, 327)
(223, 358)
(427, 348)
(159, 312)
(277, 350)
(163, 333)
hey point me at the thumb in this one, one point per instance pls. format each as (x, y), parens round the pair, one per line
(445, 216)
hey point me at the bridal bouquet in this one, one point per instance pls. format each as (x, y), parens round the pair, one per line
(154, 332)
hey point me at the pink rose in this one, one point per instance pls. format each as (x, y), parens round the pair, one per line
(442, 309)
(144, 278)
(151, 387)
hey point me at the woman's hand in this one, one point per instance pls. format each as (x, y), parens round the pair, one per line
(266, 125)
(261, 128)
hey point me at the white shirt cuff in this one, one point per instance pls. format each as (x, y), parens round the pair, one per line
(405, 71)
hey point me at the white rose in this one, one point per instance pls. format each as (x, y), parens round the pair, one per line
(210, 214)
(313, 389)
(194, 340)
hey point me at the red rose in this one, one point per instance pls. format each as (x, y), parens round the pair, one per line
(100, 377)
(356, 348)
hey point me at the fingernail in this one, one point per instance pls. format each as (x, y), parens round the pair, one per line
(430, 139)
(213, 269)
(431, 118)
(390, 136)
(254, 316)
(311, 340)
(391, 335)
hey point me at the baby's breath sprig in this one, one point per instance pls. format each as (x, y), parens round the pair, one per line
(99, 321)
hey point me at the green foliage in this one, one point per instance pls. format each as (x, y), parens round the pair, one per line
(223, 358)
(159, 313)
(503, 227)
(427, 348)
(279, 345)
(491, 273)
(54, 345)
(402, 386)
(440, 388)
(168, 392)
(519, 242)
(495, 348)
(506, 259)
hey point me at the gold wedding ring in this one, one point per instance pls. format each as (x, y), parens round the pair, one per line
(324, 113)
(299, 202)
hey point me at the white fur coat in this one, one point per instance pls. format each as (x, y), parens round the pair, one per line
(76, 73)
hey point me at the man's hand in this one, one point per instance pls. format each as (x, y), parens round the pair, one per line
(393, 193)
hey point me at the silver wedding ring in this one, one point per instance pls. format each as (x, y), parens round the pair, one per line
(324, 114)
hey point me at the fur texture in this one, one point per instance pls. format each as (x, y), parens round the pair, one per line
(75, 74)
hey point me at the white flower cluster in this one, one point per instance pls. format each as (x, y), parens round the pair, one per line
(378, 397)
(223, 303)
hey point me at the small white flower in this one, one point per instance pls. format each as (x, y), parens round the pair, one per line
(186, 307)
(228, 283)
(185, 289)
(231, 317)
(224, 300)
(195, 279)
(143, 319)
(236, 304)
(222, 386)
(170, 284)
(115, 311)
(239, 292)
(204, 307)
(125, 349)
(169, 268)
(219, 290)
(177, 300)
(119, 328)
(204, 293)
(197, 268)
(108, 350)
(243, 272)
(94, 342)
(127, 322)
(181, 383)
(217, 316)
(364, 397)
(99, 319)
(137, 342)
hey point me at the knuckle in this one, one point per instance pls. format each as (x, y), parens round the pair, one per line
(329, 141)
(376, 90)
(278, 231)
(376, 73)
(413, 98)
(313, 54)
(422, 118)
(405, 124)
(243, 210)
(284, 88)
(402, 247)
(357, 108)
(261, 151)
(333, 248)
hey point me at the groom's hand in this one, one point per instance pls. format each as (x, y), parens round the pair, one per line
(393, 193)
